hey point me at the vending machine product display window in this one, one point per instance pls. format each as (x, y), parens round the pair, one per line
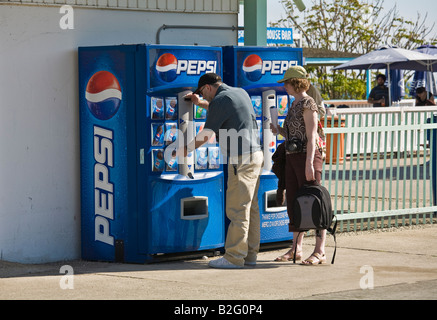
(165, 132)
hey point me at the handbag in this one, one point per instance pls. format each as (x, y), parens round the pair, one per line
(293, 145)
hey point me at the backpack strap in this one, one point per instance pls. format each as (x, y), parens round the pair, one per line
(332, 231)
(295, 248)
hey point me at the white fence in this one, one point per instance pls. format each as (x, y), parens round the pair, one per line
(381, 166)
(360, 120)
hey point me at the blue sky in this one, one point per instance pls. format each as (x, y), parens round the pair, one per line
(405, 8)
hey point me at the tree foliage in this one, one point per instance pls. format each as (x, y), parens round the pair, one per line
(353, 26)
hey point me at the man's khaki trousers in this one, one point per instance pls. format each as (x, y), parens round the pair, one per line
(243, 237)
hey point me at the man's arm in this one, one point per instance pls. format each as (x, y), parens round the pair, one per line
(371, 96)
(195, 98)
(197, 142)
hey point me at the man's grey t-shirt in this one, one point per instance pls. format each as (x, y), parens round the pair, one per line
(232, 118)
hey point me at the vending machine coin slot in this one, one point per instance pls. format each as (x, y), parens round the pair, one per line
(271, 204)
(194, 208)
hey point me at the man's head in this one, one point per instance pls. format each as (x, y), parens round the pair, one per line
(421, 92)
(380, 79)
(207, 85)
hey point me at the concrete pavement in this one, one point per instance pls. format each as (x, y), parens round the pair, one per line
(398, 263)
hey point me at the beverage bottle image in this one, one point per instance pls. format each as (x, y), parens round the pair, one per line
(171, 108)
(157, 137)
(199, 127)
(158, 110)
(171, 134)
(214, 161)
(200, 112)
(172, 165)
(159, 161)
(283, 106)
(256, 103)
(202, 159)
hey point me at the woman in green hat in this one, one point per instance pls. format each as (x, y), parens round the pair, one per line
(303, 157)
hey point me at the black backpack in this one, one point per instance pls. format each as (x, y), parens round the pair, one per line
(312, 209)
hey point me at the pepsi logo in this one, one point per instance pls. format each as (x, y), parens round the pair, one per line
(103, 95)
(252, 66)
(166, 67)
(272, 147)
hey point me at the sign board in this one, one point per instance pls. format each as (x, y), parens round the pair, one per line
(274, 36)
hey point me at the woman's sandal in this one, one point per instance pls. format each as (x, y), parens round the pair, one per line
(314, 259)
(289, 256)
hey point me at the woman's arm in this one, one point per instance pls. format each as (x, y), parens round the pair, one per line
(279, 130)
(310, 119)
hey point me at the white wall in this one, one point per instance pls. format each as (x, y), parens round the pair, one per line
(39, 122)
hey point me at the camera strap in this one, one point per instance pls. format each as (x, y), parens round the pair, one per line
(287, 138)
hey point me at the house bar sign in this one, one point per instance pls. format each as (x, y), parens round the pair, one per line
(275, 36)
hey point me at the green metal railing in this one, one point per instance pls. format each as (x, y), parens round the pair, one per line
(381, 166)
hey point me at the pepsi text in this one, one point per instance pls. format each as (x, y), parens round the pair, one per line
(103, 188)
(276, 67)
(196, 67)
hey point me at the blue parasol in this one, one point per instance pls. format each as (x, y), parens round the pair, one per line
(392, 58)
(397, 84)
(424, 78)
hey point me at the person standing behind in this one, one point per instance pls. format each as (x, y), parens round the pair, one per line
(303, 165)
(314, 93)
(379, 94)
(423, 99)
(232, 118)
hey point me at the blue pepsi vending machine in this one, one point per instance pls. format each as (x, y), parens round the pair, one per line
(257, 70)
(137, 199)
